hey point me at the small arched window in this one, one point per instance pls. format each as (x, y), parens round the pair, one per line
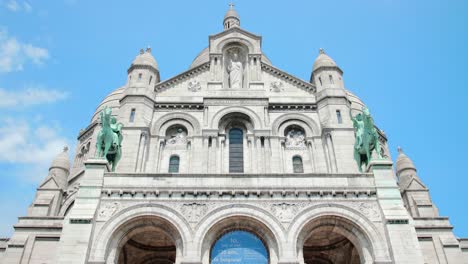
(174, 162)
(297, 164)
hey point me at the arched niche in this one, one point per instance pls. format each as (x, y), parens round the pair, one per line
(309, 126)
(235, 66)
(188, 121)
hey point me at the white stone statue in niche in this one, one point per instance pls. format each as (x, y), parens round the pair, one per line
(295, 139)
(235, 69)
(178, 137)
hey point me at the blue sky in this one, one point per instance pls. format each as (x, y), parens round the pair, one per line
(405, 59)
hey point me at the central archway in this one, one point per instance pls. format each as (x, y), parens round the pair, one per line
(239, 247)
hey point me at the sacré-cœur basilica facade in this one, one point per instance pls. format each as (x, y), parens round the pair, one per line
(232, 161)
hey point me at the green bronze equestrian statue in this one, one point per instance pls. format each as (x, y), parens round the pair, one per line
(109, 139)
(367, 138)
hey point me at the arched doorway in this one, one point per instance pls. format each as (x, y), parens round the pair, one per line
(239, 247)
(326, 246)
(148, 240)
(153, 247)
(334, 240)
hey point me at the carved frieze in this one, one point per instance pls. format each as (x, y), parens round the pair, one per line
(370, 210)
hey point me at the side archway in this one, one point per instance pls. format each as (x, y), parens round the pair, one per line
(150, 231)
(329, 233)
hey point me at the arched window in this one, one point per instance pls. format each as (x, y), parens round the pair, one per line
(236, 150)
(174, 162)
(239, 247)
(297, 164)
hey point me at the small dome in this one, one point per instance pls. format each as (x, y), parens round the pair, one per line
(112, 100)
(231, 19)
(145, 58)
(323, 60)
(231, 13)
(403, 162)
(356, 103)
(62, 160)
(204, 56)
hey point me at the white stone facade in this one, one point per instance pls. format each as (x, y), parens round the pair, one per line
(85, 214)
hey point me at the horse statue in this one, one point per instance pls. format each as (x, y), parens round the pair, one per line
(367, 138)
(109, 139)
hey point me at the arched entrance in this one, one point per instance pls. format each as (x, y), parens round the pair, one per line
(147, 240)
(326, 246)
(333, 240)
(150, 247)
(239, 247)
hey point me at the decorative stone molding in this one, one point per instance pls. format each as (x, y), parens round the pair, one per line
(183, 193)
(181, 77)
(285, 212)
(194, 86)
(370, 210)
(289, 78)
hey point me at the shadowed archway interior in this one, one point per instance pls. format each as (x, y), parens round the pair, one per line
(152, 246)
(326, 246)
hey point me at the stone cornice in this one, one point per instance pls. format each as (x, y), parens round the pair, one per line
(143, 67)
(180, 77)
(304, 193)
(289, 78)
(235, 29)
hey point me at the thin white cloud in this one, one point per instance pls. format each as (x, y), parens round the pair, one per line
(15, 54)
(30, 96)
(31, 144)
(18, 6)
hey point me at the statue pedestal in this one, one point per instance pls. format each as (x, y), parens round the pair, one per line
(78, 226)
(399, 225)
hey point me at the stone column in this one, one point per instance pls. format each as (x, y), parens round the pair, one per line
(78, 227)
(399, 226)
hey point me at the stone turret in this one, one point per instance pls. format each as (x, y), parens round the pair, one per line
(50, 192)
(415, 194)
(231, 19)
(326, 73)
(144, 70)
(60, 169)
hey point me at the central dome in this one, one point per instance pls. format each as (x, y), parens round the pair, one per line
(204, 56)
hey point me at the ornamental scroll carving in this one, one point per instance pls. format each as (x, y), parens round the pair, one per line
(108, 210)
(285, 211)
(370, 210)
(194, 211)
